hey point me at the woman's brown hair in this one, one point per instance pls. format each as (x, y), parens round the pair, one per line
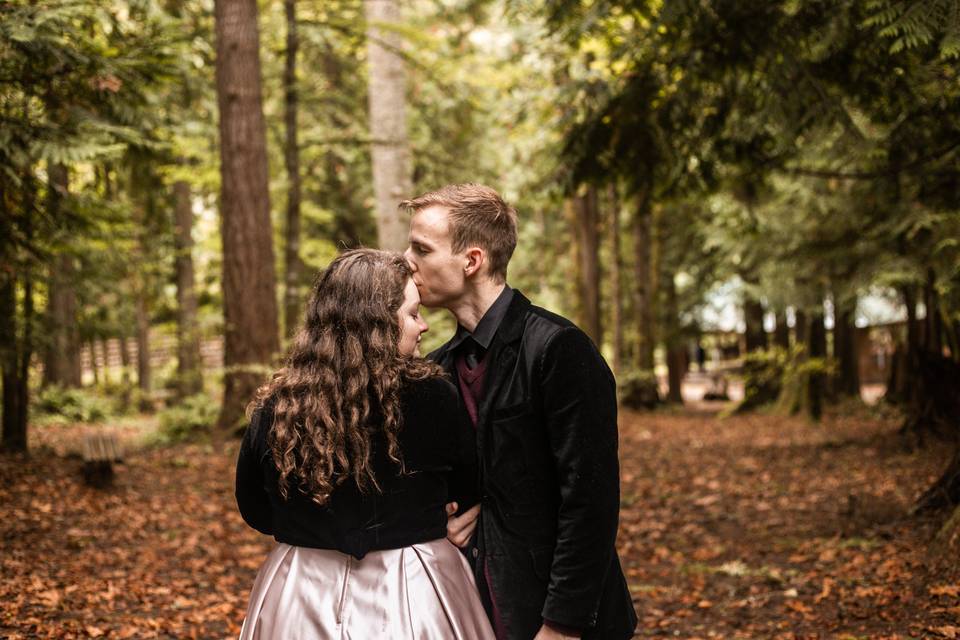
(342, 377)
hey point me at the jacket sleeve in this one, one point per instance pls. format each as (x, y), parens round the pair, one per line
(580, 409)
(252, 498)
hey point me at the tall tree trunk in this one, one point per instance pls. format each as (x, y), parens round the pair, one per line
(291, 157)
(644, 281)
(392, 176)
(781, 334)
(616, 284)
(676, 351)
(588, 232)
(91, 346)
(14, 383)
(251, 330)
(847, 381)
(756, 335)
(933, 331)
(61, 363)
(189, 376)
(817, 349)
(143, 340)
(801, 329)
(124, 360)
(16, 344)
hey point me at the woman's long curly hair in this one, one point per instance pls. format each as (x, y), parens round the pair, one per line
(343, 376)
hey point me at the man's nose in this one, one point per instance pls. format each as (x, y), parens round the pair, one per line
(408, 254)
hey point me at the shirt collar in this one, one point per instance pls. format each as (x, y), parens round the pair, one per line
(489, 323)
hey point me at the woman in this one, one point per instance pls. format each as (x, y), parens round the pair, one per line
(353, 450)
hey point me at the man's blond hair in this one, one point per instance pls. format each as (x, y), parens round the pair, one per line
(478, 217)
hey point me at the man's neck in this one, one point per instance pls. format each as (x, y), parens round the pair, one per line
(469, 309)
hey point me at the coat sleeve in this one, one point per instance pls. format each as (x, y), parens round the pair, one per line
(252, 498)
(580, 409)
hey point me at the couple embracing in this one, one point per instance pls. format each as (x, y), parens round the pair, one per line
(472, 494)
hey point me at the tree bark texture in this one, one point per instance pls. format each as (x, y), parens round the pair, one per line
(144, 380)
(643, 282)
(817, 349)
(676, 353)
(847, 380)
(756, 336)
(292, 293)
(61, 364)
(14, 384)
(800, 328)
(392, 175)
(616, 276)
(933, 324)
(189, 376)
(251, 330)
(781, 334)
(588, 231)
(16, 342)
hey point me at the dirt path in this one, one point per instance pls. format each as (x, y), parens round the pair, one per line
(754, 527)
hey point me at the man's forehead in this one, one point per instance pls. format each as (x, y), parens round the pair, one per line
(431, 223)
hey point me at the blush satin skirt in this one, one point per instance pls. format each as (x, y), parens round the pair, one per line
(419, 592)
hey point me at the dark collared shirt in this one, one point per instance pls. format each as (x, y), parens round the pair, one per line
(488, 325)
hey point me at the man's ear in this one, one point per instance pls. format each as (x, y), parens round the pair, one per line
(476, 258)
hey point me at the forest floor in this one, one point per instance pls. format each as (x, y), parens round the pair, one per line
(746, 527)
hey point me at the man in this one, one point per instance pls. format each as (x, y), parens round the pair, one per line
(544, 406)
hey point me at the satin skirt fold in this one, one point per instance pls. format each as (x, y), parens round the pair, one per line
(420, 592)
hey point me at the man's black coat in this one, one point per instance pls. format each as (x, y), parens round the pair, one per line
(547, 442)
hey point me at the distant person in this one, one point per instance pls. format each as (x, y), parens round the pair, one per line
(353, 451)
(543, 403)
(701, 357)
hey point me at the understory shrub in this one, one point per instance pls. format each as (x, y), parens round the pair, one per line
(763, 373)
(190, 419)
(71, 405)
(638, 389)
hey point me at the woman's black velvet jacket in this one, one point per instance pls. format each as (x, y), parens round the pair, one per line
(437, 444)
(547, 442)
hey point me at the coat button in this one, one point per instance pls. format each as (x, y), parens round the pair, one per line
(475, 552)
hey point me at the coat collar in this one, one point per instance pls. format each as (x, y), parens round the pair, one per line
(509, 331)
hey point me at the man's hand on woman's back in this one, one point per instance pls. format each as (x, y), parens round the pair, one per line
(460, 528)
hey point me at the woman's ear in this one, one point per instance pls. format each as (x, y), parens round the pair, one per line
(476, 257)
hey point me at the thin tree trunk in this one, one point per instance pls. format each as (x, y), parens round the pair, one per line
(143, 341)
(392, 176)
(251, 329)
(616, 285)
(587, 225)
(644, 284)
(189, 377)
(781, 334)
(93, 362)
(124, 360)
(62, 356)
(291, 156)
